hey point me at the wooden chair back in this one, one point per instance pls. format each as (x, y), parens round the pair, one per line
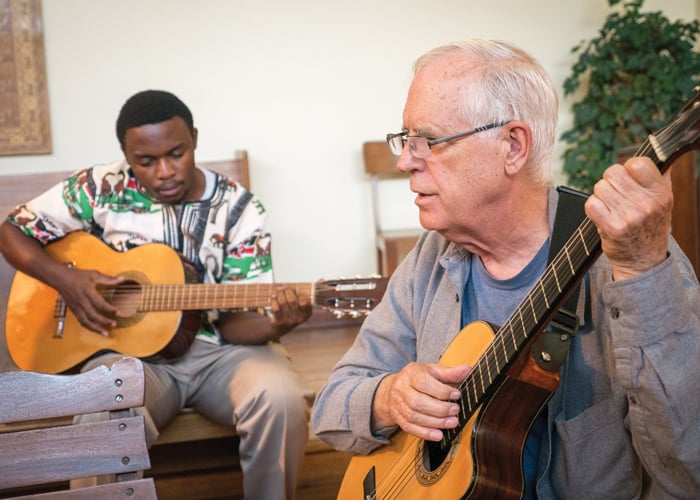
(391, 245)
(38, 448)
(235, 168)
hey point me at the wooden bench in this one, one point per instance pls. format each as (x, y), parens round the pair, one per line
(49, 451)
(314, 348)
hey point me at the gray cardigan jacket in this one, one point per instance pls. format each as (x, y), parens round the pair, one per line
(625, 420)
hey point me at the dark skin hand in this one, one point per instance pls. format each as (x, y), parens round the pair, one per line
(288, 309)
(79, 288)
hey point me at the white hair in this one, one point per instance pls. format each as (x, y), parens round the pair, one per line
(512, 86)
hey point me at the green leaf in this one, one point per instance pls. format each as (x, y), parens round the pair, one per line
(631, 78)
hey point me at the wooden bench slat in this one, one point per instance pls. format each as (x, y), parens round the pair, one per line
(138, 488)
(55, 454)
(54, 396)
(191, 426)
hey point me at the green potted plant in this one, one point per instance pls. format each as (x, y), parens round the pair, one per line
(630, 80)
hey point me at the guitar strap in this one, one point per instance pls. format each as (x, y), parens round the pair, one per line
(552, 346)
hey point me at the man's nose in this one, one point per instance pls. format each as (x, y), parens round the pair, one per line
(165, 168)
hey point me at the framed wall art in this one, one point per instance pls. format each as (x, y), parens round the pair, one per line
(24, 110)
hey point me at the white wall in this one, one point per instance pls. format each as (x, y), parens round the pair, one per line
(299, 84)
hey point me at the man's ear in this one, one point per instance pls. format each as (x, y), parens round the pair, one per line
(194, 137)
(519, 140)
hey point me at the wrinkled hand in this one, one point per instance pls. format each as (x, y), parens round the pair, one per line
(80, 291)
(631, 207)
(289, 309)
(420, 399)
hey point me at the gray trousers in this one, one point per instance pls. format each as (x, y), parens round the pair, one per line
(254, 389)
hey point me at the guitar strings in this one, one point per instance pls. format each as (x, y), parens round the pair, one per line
(531, 311)
(408, 462)
(171, 296)
(356, 296)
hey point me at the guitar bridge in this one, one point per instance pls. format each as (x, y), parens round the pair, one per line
(60, 315)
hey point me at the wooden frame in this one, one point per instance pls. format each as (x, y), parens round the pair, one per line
(24, 110)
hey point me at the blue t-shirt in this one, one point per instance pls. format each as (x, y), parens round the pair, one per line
(492, 300)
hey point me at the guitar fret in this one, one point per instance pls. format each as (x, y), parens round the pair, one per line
(544, 294)
(170, 299)
(466, 402)
(155, 300)
(201, 295)
(568, 258)
(583, 241)
(534, 313)
(178, 295)
(480, 375)
(159, 298)
(503, 345)
(488, 373)
(556, 278)
(204, 294)
(474, 390)
(522, 323)
(472, 403)
(143, 297)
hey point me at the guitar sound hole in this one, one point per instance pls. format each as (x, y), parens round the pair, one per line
(434, 455)
(125, 297)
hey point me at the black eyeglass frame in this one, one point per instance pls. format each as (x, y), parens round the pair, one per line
(439, 140)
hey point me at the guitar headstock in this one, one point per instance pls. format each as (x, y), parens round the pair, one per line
(680, 135)
(350, 297)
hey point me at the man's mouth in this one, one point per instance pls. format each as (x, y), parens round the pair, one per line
(168, 190)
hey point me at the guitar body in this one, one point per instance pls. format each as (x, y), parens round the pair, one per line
(485, 461)
(498, 440)
(160, 302)
(31, 325)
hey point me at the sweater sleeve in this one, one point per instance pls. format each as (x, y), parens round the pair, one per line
(654, 325)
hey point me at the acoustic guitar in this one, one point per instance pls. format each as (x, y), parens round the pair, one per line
(506, 389)
(160, 309)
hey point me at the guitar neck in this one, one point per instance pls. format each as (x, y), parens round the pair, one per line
(208, 296)
(562, 275)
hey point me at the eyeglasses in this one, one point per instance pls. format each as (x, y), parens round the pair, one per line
(420, 146)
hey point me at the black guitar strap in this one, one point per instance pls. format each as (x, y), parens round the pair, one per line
(552, 346)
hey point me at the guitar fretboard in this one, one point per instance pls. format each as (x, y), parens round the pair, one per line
(204, 296)
(561, 276)
(542, 301)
